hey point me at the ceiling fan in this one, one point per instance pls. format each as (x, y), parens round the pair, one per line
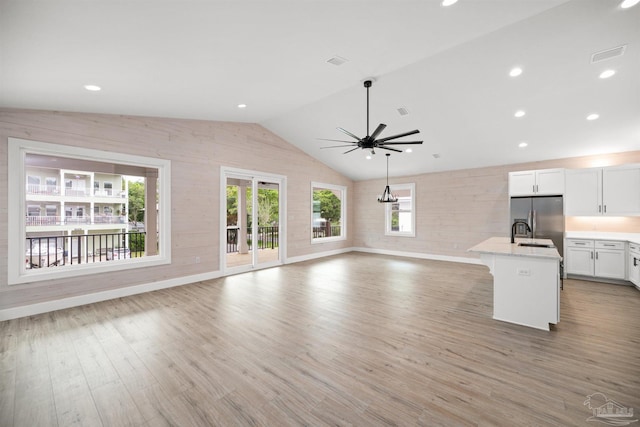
(370, 142)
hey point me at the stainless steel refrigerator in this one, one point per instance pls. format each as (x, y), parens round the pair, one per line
(545, 218)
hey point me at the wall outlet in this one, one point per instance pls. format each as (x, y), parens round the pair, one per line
(524, 272)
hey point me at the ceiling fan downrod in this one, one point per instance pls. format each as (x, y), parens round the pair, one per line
(367, 84)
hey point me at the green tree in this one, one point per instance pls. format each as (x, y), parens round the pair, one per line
(267, 206)
(330, 205)
(232, 205)
(136, 201)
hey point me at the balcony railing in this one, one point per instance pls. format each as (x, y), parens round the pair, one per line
(52, 251)
(52, 190)
(56, 190)
(320, 232)
(268, 238)
(74, 220)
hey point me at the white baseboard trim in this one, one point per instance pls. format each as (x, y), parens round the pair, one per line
(316, 255)
(419, 255)
(60, 304)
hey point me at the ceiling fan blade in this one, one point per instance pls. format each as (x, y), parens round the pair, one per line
(338, 146)
(348, 133)
(336, 140)
(378, 130)
(390, 149)
(348, 151)
(400, 142)
(400, 135)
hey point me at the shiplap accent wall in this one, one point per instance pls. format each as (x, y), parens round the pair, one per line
(456, 210)
(197, 150)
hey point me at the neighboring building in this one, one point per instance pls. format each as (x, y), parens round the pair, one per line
(63, 203)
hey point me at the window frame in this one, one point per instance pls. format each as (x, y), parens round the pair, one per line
(17, 176)
(343, 212)
(389, 207)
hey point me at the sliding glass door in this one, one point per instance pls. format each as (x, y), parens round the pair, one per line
(252, 217)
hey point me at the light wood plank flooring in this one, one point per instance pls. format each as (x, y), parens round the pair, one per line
(356, 339)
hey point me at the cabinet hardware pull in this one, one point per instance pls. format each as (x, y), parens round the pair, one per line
(599, 208)
(596, 255)
(635, 261)
(577, 243)
(591, 254)
(605, 208)
(606, 244)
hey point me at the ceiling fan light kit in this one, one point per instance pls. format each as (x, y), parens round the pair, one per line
(371, 141)
(387, 196)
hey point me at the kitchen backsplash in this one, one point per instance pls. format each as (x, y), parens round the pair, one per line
(629, 224)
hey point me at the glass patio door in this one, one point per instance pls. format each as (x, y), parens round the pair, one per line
(252, 220)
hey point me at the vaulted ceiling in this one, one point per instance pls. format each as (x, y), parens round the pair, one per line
(448, 67)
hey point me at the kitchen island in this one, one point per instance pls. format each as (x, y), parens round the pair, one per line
(526, 280)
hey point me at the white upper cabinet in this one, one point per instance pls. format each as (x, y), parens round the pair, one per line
(621, 191)
(542, 182)
(583, 194)
(613, 191)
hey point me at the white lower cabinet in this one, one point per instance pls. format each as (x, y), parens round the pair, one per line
(597, 258)
(579, 257)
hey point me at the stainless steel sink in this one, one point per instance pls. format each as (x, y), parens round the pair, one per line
(536, 245)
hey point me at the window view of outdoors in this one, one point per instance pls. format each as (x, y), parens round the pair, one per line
(327, 213)
(267, 215)
(400, 216)
(79, 211)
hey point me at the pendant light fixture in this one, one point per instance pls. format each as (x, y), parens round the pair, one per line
(387, 197)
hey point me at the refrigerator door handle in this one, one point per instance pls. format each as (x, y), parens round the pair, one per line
(533, 228)
(530, 222)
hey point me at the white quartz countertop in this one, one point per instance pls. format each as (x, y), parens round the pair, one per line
(503, 246)
(601, 235)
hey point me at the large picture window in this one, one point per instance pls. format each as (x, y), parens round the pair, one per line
(328, 213)
(94, 235)
(400, 219)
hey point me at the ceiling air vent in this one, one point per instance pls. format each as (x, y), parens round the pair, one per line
(337, 60)
(403, 111)
(608, 54)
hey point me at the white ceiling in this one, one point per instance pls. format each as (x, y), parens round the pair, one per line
(448, 66)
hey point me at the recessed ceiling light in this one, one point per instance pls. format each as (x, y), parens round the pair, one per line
(519, 113)
(522, 144)
(628, 3)
(92, 88)
(446, 3)
(515, 72)
(436, 156)
(368, 157)
(242, 105)
(409, 150)
(593, 116)
(607, 73)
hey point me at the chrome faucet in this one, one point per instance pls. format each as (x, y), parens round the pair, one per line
(513, 229)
